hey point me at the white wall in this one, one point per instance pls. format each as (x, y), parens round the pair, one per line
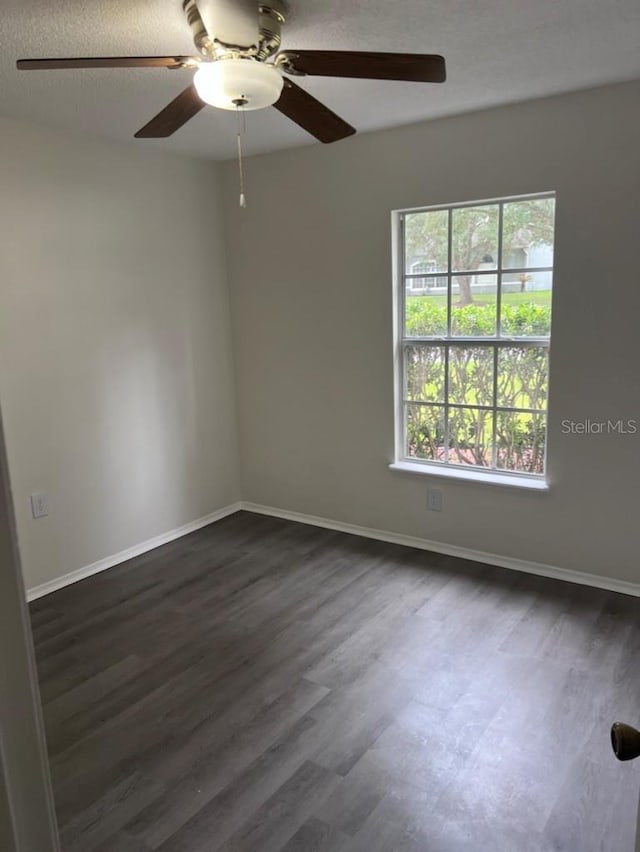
(310, 271)
(115, 360)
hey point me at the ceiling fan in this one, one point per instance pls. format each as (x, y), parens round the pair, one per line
(235, 40)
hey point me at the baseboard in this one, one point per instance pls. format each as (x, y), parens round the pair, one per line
(130, 553)
(513, 564)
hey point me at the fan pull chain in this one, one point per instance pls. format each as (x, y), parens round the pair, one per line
(241, 129)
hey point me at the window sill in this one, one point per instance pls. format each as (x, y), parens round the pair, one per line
(488, 478)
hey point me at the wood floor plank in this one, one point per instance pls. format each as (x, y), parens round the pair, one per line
(351, 718)
(316, 836)
(404, 820)
(122, 842)
(92, 690)
(265, 686)
(583, 818)
(108, 814)
(273, 825)
(193, 782)
(225, 814)
(362, 790)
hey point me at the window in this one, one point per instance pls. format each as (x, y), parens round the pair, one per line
(474, 326)
(417, 283)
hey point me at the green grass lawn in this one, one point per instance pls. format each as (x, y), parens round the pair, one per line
(535, 297)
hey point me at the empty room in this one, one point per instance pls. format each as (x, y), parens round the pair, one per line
(320, 426)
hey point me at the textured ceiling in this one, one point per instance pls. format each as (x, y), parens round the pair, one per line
(497, 51)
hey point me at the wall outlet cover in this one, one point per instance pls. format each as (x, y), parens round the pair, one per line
(434, 499)
(39, 505)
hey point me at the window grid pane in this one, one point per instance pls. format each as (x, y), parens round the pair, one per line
(425, 436)
(487, 407)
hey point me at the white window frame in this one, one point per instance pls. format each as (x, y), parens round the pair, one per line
(403, 462)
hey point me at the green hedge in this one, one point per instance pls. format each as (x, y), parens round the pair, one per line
(426, 318)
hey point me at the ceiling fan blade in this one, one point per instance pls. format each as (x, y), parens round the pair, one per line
(232, 22)
(173, 116)
(410, 67)
(106, 62)
(311, 115)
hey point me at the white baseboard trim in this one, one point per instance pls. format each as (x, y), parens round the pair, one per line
(130, 553)
(541, 570)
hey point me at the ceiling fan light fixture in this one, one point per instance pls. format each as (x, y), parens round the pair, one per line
(232, 83)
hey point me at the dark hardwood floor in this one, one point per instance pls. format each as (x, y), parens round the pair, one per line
(262, 685)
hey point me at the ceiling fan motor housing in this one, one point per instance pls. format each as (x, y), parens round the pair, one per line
(215, 36)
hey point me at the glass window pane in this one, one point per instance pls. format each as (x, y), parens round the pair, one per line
(474, 305)
(470, 401)
(526, 304)
(520, 441)
(471, 375)
(523, 377)
(426, 242)
(470, 437)
(527, 233)
(424, 373)
(475, 238)
(425, 432)
(426, 307)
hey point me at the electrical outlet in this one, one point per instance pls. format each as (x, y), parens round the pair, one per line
(434, 499)
(39, 505)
